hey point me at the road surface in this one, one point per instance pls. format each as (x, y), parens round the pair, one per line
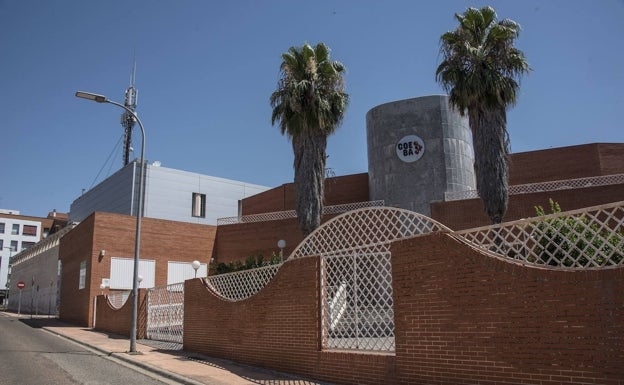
(30, 356)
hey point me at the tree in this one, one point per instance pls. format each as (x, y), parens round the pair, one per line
(481, 70)
(309, 105)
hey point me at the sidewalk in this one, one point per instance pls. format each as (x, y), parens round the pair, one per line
(165, 359)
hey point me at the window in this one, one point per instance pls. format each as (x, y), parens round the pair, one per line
(199, 205)
(82, 278)
(15, 230)
(1, 244)
(26, 245)
(1, 228)
(29, 230)
(13, 245)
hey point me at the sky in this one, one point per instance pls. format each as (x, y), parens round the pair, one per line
(205, 71)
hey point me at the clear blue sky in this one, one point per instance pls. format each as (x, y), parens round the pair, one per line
(206, 69)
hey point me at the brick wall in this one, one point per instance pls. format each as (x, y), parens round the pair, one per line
(469, 213)
(278, 328)
(239, 241)
(338, 190)
(556, 164)
(461, 317)
(76, 246)
(119, 321)
(611, 158)
(161, 240)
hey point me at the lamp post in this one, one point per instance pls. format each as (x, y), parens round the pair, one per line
(196, 265)
(281, 244)
(137, 241)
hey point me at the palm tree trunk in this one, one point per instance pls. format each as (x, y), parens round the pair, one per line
(309, 167)
(491, 146)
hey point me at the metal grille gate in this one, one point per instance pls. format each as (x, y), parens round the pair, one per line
(165, 313)
(357, 301)
(356, 275)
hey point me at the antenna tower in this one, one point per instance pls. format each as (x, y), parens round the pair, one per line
(127, 120)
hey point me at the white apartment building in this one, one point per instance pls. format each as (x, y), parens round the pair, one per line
(17, 233)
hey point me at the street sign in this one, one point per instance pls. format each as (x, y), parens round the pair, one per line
(21, 285)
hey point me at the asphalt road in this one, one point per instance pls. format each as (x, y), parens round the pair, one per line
(30, 356)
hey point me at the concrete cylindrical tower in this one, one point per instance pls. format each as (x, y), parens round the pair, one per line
(418, 149)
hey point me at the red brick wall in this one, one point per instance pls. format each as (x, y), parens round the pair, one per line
(461, 317)
(280, 198)
(469, 213)
(554, 164)
(611, 158)
(278, 328)
(119, 321)
(161, 240)
(76, 246)
(338, 190)
(239, 241)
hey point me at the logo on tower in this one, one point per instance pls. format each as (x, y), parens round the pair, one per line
(410, 148)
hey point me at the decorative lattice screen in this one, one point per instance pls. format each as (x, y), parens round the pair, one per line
(592, 238)
(356, 274)
(165, 313)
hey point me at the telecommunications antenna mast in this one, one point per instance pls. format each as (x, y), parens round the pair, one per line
(127, 120)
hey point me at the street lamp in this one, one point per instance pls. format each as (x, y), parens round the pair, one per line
(137, 242)
(281, 244)
(196, 266)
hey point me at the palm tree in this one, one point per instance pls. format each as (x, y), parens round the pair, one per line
(309, 105)
(481, 70)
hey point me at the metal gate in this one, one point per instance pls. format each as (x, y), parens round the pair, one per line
(356, 274)
(165, 313)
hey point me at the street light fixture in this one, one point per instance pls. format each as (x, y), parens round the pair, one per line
(137, 242)
(196, 265)
(281, 244)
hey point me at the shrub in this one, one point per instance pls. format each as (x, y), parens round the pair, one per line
(251, 262)
(576, 241)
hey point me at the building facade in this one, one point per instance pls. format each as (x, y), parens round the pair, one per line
(96, 257)
(170, 194)
(35, 276)
(17, 233)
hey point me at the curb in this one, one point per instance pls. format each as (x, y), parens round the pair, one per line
(124, 357)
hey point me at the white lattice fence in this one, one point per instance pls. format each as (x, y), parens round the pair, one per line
(587, 238)
(357, 308)
(165, 313)
(243, 284)
(356, 274)
(118, 299)
(279, 215)
(369, 226)
(603, 180)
